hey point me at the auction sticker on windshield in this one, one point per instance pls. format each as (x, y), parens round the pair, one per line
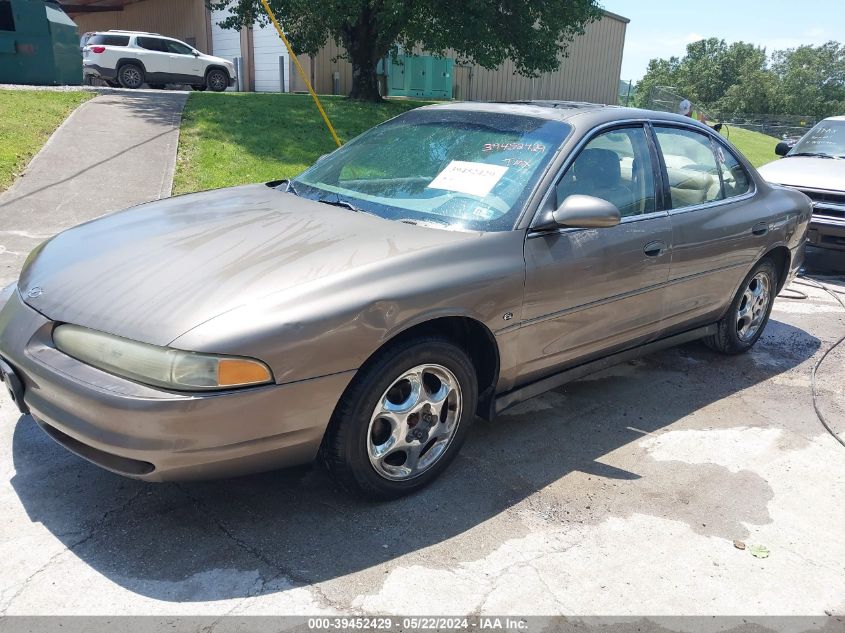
(476, 179)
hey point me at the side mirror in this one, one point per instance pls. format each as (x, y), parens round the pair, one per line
(782, 148)
(584, 212)
(196, 54)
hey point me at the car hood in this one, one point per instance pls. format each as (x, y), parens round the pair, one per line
(806, 172)
(155, 271)
(216, 60)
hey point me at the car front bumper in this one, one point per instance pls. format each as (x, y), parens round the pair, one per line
(157, 435)
(827, 232)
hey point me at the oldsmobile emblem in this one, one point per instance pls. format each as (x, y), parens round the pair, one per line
(35, 292)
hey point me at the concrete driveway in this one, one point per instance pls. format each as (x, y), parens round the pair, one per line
(620, 494)
(114, 151)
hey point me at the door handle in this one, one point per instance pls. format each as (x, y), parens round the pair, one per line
(654, 249)
(761, 228)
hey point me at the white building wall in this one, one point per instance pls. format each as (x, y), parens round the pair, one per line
(268, 47)
(225, 43)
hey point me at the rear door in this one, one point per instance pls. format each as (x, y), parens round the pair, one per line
(590, 292)
(155, 57)
(183, 63)
(716, 233)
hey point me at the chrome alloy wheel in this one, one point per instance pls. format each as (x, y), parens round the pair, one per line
(414, 422)
(752, 306)
(217, 81)
(131, 77)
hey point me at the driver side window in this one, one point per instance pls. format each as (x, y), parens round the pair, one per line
(179, 48)
(615, 166)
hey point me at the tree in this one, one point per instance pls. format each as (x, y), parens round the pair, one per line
(708, 71)
(812, 79)
(535, 34)
(741, 78)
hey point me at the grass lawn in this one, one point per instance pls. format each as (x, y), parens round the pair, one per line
(758, 148)
(27, 119)
(235, 138)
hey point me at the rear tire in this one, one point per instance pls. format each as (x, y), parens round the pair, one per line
(403, 418)
(217, 80)
(131, 76)
(746, 318)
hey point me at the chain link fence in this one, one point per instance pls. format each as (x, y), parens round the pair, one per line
(781, 126)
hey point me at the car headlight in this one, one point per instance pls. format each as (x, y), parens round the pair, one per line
(159, 366)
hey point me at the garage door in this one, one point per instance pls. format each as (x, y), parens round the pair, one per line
(268, 48)
(225, 43)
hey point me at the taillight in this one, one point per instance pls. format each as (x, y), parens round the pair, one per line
(98, 49)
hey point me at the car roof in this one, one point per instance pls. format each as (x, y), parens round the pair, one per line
(578, 113)
(835, 118)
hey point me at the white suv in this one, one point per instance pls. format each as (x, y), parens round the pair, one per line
(131, 59)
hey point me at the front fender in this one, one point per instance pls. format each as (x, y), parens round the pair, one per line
(333, 325)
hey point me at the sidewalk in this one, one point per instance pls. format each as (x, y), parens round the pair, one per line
(115, 151)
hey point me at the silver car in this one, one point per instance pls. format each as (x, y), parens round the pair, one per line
(815, 165)
(444, 265)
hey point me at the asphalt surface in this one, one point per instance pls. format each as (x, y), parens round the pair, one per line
(628, 492)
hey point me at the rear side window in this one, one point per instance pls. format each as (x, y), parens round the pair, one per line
(735, 179)
(108, 40)
(690, 165)
(7, 20)
(153, 44)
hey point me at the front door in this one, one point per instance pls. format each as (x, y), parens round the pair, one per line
(590, 292)
(183, 63)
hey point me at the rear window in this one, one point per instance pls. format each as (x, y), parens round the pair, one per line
(108, 40)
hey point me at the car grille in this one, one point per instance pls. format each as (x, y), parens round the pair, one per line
(830, 204)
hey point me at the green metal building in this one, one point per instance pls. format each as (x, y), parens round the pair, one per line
(39, 44)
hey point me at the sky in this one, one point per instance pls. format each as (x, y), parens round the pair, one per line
(662, 28)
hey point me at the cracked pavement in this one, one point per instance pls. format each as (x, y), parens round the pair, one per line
(619, 494)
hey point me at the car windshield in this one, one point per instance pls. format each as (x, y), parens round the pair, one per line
(827, 138)
(453, 169)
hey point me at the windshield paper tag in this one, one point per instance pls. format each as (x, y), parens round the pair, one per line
(476, 179)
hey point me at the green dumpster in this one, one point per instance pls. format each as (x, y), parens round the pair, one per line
(420, 76)
(39, 44)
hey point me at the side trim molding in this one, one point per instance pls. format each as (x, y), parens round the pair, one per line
(510, 398)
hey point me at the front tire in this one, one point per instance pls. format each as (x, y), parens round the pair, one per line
(217, 80)
(131, 76)
(403, 418)
(746, 318)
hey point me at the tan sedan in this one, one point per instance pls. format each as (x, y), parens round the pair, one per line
(444, 265)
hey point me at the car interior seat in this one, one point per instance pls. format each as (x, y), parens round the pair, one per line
(597, 173)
